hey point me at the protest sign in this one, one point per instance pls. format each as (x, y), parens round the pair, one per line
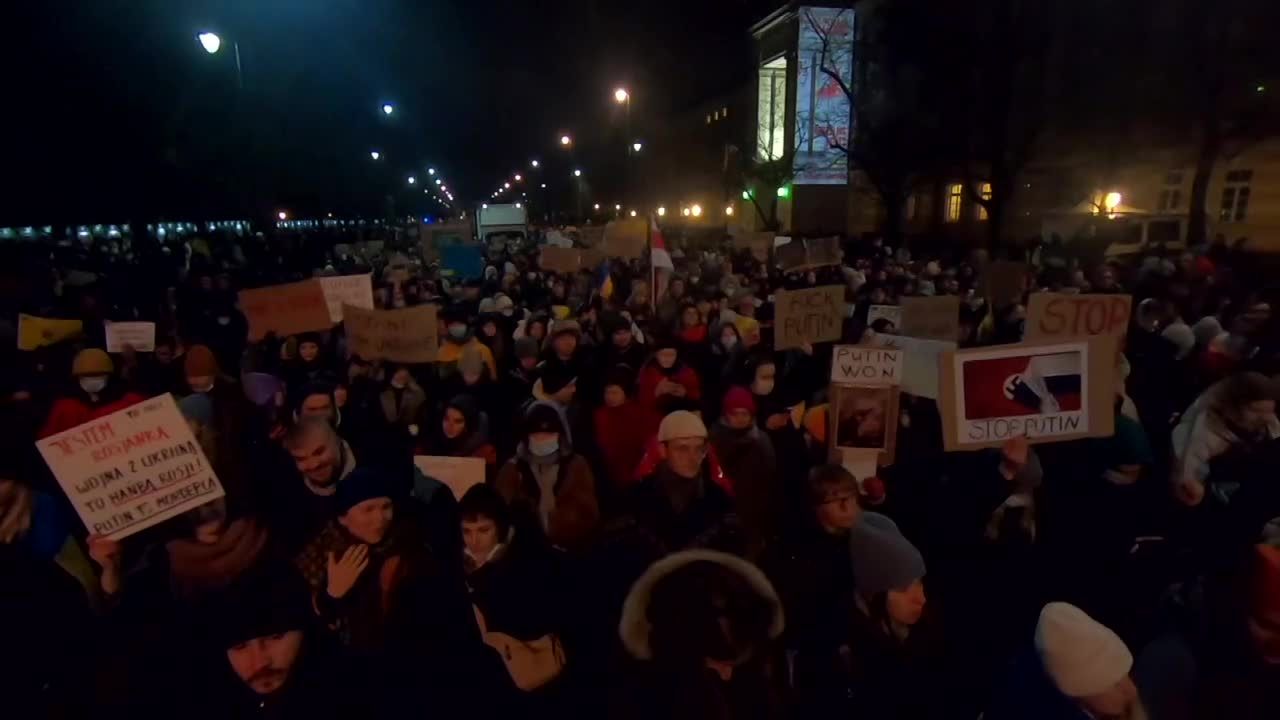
(591, 236)
(793, 254)
(919, 362)
(354, 290)
(864, 418)
(36, 332)
(590, 258)
(461, 261)
(1046, 392)
(859, 365)
(820, 252)
(890, 313)
(458, 473)
(759, 243)
(788, 253)
(626, 238)
(132, 469)
(1055, 315)
(935, 318)
(1003, 282)
(808, 316)
(141, 336)
(405, 335)
(560, 259)
(285, 309)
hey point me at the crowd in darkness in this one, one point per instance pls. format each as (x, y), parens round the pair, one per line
(661, 532)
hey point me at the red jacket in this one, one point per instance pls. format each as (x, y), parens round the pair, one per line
(68, 412)
(649, 464)
(620, 434)
(651, 375)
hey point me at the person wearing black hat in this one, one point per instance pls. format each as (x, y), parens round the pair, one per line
(619, 345)
(277, 662)
(375, 579)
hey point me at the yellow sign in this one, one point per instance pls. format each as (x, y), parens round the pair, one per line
(35, 332)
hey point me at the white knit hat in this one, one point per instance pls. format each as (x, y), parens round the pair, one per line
(681, 424)
(1082, 656)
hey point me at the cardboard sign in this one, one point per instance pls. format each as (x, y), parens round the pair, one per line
(892, 313)
(132, 469)
(590, 258)
(935, 318)
(460, 474)
(759, 243)
(864, 419)
(405, 335)
(794, 254)
(355, 290)
(1055, 315)
(1003, 282)
(919, 363)
(462, 261)
(808, 316)
(1046, 392)
(859, 365)
(821, 252)
(788, 253)
(558, 259)
(36, 332)
(285, 309)
(591, 236)
(139, 335)
(626, 238)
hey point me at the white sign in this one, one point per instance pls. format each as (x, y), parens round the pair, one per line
(140, 335)
(892, 313)
(459, 473)
(354, 290)
(132, 469)
(858, 365)
(920, 365)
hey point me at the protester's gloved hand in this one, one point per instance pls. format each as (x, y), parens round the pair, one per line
(344, 572)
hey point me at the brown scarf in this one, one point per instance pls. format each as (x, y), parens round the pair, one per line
(195, 567)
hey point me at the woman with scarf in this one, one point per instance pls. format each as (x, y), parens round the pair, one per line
(549, 487)
(667, 383)
(464, 432)
(1228, 422)
(774, 403)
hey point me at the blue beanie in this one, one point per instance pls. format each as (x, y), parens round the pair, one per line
(363, 483)
(882, 558)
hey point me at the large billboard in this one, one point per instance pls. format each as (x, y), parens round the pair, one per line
(823, 119)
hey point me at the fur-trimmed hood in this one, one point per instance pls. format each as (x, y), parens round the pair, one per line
(635, 625)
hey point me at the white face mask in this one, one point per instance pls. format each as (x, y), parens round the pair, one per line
(729, 342)
(93, 384)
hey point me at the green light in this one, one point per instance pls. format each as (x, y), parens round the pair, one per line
(784, 191)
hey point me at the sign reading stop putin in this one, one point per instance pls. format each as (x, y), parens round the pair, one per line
(1056, 315)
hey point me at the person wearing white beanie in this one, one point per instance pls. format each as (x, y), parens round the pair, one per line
(1087, 662)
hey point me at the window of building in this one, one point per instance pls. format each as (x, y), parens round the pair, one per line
(771, 110)
(724, 111)
(955, 198)
(984, 192)
(1235, 196)
(715, 115)
(1170, 198)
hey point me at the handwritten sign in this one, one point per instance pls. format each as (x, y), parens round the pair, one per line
(920, 362)
(460, 474)
(1055, 315)
(36, 332)
(890, 313)
(141, 336)
(406, 335)
(285, 309)
(936, 318)
(626, 238)
(560, 259)
(759, 243)
(354, 290)
(808, 316)
(132, 469)
(858, 365)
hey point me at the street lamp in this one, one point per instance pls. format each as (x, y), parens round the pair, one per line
(388, 108)
(621, 95)
(518, 177)
(438, 181)
(617, 207)
(412, 179)
(684, 212)
(431, 171)
(375, 154)
(728, 210)
(1112, 201)
(282, 215)
(210, 41)
(662, 211)
(596, 206)
(543, 186)
(636, 146)
(633, 213)
(696, 210)
(533, 163)
(565, 140)
(577, 173)
(506, 186)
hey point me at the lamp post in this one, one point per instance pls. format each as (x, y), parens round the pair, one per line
(212, 43)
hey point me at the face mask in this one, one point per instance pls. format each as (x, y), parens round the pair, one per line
(458, 331)
(762, 387)
(509, 312)
(399, 385)
(545, 447)
(203, 389)
(730, 342)
(224, 320)
(93, 384)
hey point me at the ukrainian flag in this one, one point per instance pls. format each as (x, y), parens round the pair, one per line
(604, 281)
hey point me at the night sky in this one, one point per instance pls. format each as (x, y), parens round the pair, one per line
(115, 113)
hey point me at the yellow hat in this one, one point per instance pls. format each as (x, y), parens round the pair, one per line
(92, 361)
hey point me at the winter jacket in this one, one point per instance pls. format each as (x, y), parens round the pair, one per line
(572, 521)
(621, 443)
(661, 405)
(748, 458)
(74, 410)
(1203, 434)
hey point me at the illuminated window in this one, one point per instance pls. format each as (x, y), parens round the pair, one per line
(955, 197)
(771, 110)
(1171, 195)
(984, 192)
(708, 119)
(1235, 196)
(724, 111)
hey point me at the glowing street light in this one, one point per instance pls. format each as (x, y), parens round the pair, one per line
(518, 177)
(431, 171)
(533, 163)
(596, 206)
(617, 207)
(633, 213)
(1112, 201)
(728, 210)
(375, 154)
(684, 212)
(412, 179)
(444, 188)
(506, 186)
(484, 206)
(621, 95)
(282, 215)
(438, 181)
(637, 146)
(661, 211)
(517, 205)
(577, 173)
(565, 140)
(543, 186)
(210, 42)
(696, 210)
(388, 108)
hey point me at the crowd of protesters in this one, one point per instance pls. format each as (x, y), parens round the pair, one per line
(660, 533)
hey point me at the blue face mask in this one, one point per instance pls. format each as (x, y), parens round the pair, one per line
(545, 447)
